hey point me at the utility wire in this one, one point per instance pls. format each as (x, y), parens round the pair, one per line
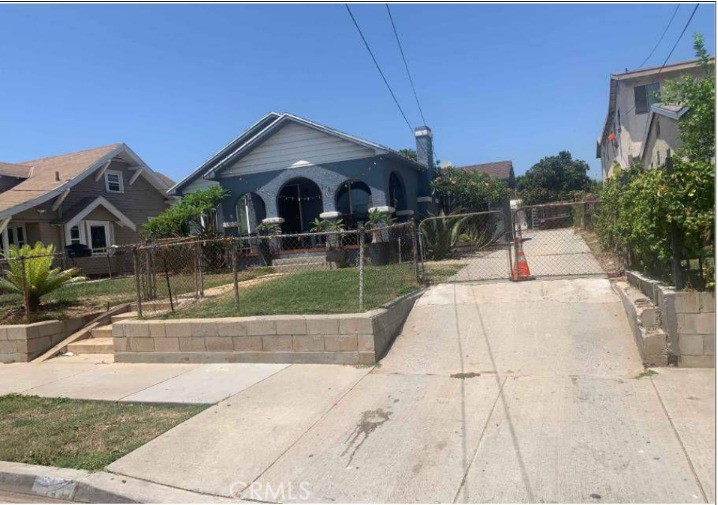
(406, 66)
(679, 39)
(661, 39)
(685, 27)
(378, 68)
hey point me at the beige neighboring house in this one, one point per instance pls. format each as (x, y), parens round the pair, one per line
(635, 118)
(98, 197)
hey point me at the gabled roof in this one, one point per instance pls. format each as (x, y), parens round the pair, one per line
(43, 185)
(499, 169)
(637, 74)
(264, 129)
(15, 170)
(673, 112)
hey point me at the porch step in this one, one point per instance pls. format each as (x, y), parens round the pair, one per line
(122, 317)
(92, 346)
(306, 259)
(297, 267)
(102, 331)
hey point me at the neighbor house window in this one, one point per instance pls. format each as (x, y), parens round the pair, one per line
(75, 235)
(113, 182)
(16, 235)
(645, 96)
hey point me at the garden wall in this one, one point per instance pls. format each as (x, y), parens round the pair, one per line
(688, 318)
(25, 342)
(348, 339)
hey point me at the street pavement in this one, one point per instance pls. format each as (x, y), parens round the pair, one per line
(526, 392)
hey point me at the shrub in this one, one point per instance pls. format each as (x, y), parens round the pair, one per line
(40, 278)
(441, 233)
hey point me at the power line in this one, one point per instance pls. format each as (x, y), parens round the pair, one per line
(406, 66)
(379, 68)
(679, 39)
(685, 27)
(660, 39)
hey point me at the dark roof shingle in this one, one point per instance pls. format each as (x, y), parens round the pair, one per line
(499, 169)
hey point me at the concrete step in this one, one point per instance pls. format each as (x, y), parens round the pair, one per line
(301, 267)
(102, 331)
(122, 317)
(92, 346)
(300, 260)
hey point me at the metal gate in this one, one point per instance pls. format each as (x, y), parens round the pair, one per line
(466, 247)
(551, 238)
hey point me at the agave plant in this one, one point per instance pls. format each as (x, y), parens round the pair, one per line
(441, 233)
(40, 277)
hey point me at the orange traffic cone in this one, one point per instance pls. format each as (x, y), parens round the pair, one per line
(521, 270)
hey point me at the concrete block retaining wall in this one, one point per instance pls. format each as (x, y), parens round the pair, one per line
(25, 342)
(688, 317)
(349, 339)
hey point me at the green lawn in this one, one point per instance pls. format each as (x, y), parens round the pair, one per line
(310, 292)
(80, 434)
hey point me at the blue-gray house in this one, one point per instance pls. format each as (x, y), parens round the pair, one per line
(288, 170)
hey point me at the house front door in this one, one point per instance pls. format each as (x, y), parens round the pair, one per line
(99, 235)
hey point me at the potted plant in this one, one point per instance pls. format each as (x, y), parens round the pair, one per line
(335, 252)
(381, 251)
(264, 247)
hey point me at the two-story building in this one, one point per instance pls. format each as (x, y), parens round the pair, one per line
(90, 199)
(636, 118)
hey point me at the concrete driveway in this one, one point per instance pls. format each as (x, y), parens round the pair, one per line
(492, 393)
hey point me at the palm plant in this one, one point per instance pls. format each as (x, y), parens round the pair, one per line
(441, 233)
(39, 278)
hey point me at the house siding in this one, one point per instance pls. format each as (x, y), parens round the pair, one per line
(294, 146)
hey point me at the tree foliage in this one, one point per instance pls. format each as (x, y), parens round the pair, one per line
(40, 277)
(638, 206)
(554, 178)
(194, 214)
(471, 191)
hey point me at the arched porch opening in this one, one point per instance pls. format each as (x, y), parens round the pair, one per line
(397, 192)
(250, 211)
(299, 202)
(353, 201)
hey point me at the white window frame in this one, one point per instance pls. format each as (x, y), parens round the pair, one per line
(6, 236)
(79, 235)
(108, 235)
(119, 178)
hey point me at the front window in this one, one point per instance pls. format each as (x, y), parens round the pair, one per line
(16, 235)
(75, 235)
(113, 182)
(645, 96)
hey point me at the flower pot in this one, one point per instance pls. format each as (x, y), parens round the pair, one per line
(338, 256)
(381, 253)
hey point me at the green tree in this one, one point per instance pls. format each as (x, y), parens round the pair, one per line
(409, 153)
(471, 191)
(554, 178)
(194, 214)
(40, 278)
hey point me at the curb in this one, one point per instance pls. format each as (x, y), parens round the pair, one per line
(92, 487)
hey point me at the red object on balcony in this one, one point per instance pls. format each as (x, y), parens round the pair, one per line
(612, 136)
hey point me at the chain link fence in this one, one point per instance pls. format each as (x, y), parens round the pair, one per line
(324, 272)
(465, 247)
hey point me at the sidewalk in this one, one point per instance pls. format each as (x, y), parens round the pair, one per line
(503, 392)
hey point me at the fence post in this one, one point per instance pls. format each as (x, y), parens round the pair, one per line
(678, 279)
(25, 293)
(361, 267)
(415, 250)
(234, 274)
(136, 263)
(109, 263)
(167, 279)
(198, 252)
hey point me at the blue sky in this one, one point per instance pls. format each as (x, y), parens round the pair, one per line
(177, 82)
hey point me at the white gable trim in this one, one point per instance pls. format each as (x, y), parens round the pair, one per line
(123, 220)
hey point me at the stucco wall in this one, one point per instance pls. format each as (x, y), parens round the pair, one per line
(658, 146)
(374, 171)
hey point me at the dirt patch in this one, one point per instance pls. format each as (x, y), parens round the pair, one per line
(611, 262)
